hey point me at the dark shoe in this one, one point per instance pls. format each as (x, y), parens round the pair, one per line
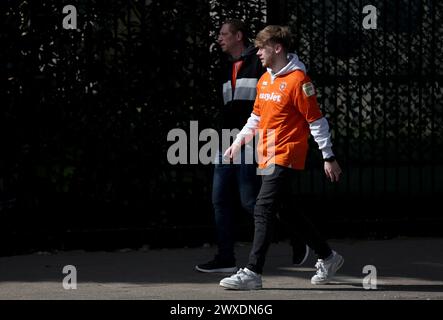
(300, 254)
(217, 266)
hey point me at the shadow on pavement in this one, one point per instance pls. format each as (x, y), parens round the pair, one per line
(407, 260)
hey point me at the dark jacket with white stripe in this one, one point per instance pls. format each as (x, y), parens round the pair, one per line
(238, 104)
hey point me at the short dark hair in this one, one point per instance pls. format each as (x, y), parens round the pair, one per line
(236, 25)
(273, 34)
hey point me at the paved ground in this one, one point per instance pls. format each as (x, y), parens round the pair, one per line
(406, 269)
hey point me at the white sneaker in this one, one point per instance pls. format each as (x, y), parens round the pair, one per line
(244, 279)
(326, 269)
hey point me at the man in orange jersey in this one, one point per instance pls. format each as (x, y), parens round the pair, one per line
(239, 74)
(286, 104)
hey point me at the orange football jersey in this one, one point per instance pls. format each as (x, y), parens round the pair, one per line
(285, 106)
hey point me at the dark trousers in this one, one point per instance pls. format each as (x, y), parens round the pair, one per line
(276, 196)
(230, 182)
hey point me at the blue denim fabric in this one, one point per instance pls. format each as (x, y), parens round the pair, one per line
(232, 181)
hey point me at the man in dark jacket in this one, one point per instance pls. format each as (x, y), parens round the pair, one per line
(232, 180)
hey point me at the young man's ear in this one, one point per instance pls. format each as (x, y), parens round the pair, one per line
(278, 48)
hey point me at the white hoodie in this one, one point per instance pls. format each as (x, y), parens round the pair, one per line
(293, 64)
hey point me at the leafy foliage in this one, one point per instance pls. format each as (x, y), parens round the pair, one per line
(85, 113)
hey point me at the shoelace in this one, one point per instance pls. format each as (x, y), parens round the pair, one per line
(241, 272)
(321, 269)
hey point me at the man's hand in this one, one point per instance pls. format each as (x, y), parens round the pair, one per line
(332, 170)
(232, 152)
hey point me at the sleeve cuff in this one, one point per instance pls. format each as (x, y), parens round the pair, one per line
(327, 152)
